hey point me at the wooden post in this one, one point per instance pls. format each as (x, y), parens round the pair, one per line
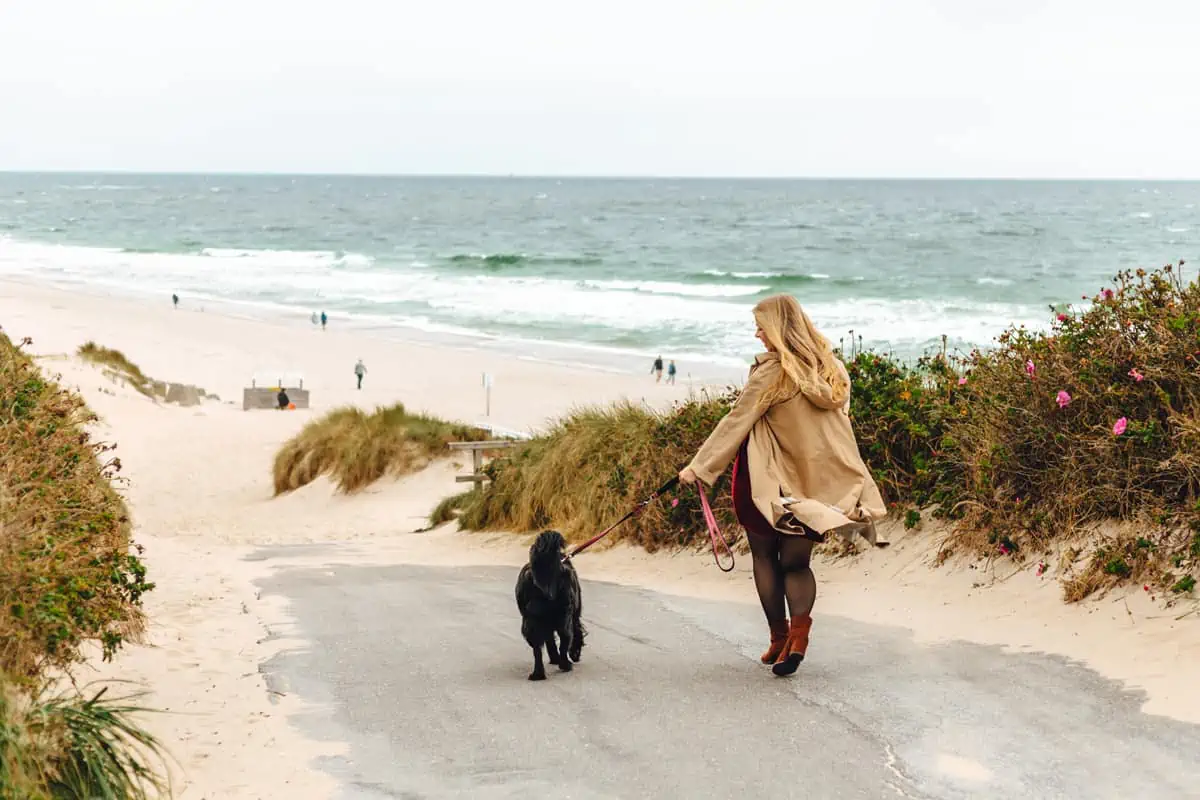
(477, 468)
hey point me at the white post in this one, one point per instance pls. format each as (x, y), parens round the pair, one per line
(487, 391)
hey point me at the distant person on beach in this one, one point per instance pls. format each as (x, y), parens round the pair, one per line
(282, 398)
(360, 369)
(671, 372)
(797, 472)
(175, 300)
(657, 369)
(314, 318)
(324, 319)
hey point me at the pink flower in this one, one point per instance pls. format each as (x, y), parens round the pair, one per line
(962, 381)
(1137, 376)
(1120, 426)
(1029, 368)
(675, 502)
(1062, 317)
(1063, 399)
(1108, 294)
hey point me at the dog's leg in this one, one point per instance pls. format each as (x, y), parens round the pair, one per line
(565, 644)
(552, 651)
(576, 638)
(539, 669)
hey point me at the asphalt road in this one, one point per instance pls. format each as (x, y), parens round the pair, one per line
(422, 670)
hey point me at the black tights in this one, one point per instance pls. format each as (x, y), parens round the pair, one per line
(781, 570)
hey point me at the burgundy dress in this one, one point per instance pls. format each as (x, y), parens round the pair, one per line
(744, 509)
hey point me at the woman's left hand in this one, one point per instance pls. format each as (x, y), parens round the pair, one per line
(687, 475)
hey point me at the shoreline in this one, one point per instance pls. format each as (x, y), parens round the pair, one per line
(700, 371)
(434, 378)
(199, 488)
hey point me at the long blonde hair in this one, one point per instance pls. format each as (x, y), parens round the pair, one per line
(806, 357)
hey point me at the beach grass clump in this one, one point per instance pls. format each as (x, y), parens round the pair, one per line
(356, 448)
(595, 464)
(68, 571)
(72, 745)
(450, 507)
(118, 364)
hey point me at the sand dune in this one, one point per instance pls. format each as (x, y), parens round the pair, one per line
(200, 487)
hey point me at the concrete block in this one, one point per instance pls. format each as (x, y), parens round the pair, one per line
(264, 397)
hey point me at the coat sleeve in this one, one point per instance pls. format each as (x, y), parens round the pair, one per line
(722, 444)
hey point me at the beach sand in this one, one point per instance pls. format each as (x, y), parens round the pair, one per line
(199, 484)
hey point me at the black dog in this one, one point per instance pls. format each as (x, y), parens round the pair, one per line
(550, 602)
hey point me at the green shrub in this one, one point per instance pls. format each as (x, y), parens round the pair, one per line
(67, 573)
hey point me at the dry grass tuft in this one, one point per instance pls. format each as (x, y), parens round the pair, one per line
(450, 507)
(594, 465)
(69, 745)
(357, 448)
(117, 364)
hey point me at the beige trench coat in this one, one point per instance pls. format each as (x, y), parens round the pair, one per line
(802, 459)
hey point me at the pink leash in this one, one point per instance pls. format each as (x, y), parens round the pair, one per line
(714, 532)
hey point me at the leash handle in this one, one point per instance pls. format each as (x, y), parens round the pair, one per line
(714, 532)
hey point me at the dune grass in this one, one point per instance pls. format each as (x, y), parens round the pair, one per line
(594, 465)
(450, 507)
(118, 364)
(356, 448)
(69, 575)
(72, 745)
(1030, 450)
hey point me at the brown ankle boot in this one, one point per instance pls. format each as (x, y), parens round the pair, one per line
(795, 647)
(779, 632)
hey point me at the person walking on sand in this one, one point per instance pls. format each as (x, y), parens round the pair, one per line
(324, 319)
(797, 472)
(657, 369)
(671, 372)
(175, 300)
(360, 369)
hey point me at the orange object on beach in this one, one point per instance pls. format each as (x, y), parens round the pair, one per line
(291, 406)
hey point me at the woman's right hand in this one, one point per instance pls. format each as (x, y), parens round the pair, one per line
(687, 475)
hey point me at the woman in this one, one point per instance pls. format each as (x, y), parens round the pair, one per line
(797, 473)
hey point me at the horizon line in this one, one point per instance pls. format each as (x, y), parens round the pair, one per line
(595, 177)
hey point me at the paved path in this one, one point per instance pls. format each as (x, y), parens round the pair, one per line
(423, 671)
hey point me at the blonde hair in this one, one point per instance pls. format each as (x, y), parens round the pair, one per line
(806, 359)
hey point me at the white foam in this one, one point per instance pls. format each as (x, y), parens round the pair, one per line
(712, 322)
(669, 287)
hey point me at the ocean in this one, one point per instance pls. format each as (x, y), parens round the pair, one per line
(608, 272)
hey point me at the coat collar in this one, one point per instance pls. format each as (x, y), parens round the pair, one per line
(763, 358)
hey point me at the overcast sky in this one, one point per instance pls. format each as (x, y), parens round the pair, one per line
(935, 88)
